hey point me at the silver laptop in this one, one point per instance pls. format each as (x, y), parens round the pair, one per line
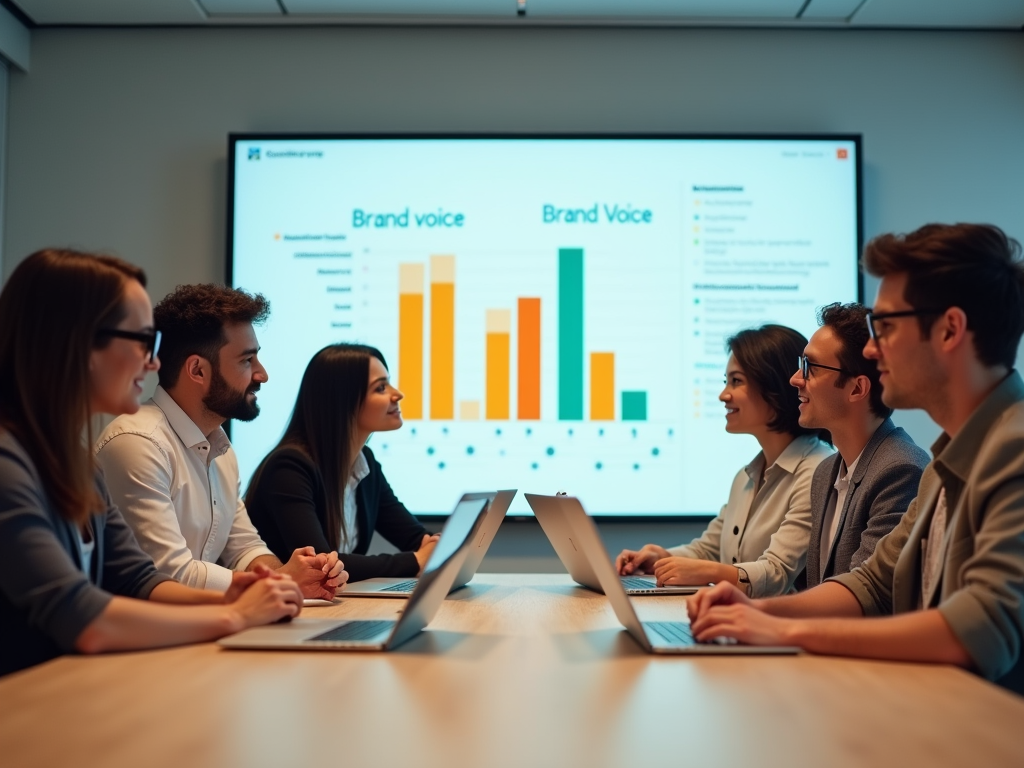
(652, 636)
(556, 521)
(348, 635)
(498, 503)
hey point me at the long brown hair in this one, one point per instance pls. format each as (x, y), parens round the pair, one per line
(50, 310)
(332, 391)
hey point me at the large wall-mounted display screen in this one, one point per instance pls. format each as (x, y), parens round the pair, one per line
(555, 309)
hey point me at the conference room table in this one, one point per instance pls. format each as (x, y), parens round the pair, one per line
(515, 670)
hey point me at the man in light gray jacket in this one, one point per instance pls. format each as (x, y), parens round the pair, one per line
(859, 493)
(947, 584)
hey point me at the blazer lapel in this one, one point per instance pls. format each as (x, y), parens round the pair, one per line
(885, 429)
(821, 508)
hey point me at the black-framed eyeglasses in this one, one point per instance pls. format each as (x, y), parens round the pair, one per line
(805, 366)
(874, 317)
(151, 339)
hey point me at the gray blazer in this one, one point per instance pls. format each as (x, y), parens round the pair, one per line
(981, 590)
(884, 483)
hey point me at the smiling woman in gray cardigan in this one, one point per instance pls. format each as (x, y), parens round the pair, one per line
(77, 339)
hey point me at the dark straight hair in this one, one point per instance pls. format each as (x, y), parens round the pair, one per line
(768, 356)
(51, 308)
(331, 393)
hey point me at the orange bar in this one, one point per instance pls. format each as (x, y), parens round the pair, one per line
(498, 326)
(602, 386)
(529, 359)
(410, 338)
(442, 337)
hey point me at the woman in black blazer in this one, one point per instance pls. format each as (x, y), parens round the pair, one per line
(321, 486)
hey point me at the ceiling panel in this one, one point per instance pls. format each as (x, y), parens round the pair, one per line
(246, 7)
(483, 8)
(828, 10)
(112, 11)
(678, 9)
(941, 13)
(583, 9)
(963, 14)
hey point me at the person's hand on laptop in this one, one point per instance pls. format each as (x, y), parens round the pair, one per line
(262, 596)
(318, 576)
(720, 594)
(725, 611)
(641, 561)
(426, 549)
(689, 572)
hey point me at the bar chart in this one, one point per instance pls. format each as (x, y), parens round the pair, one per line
(555, 312)
(512, 352)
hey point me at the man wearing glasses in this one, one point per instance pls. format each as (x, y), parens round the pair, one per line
(859, 493)
(947, 584)
(170, 467)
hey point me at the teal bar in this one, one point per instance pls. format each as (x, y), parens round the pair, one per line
(570, 334)
(634, 406)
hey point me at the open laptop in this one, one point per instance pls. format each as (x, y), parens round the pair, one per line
(498, 503)
(350, 635)
(556, 519)
(653, 636)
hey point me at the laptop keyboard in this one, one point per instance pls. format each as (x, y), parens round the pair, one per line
(676, 632)
(637, 583)
(354, 630)
(402, 586)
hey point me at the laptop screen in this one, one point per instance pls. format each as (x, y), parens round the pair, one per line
(454, 533)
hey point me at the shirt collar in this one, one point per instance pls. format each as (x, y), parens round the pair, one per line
(789, 460)
(360, 469)
(843, 481)
(186, 430)
(958, 453)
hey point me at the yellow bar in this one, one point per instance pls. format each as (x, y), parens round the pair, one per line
(469, 410)
(410, 338)
(499, 334)
(442, 337)
(602, 386)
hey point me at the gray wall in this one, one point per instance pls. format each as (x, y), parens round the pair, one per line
(117, 138)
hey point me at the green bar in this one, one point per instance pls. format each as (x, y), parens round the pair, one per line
(570, 334)
(634, 406)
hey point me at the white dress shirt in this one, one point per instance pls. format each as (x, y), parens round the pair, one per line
(350, 534)
(834, 511)
(179, 492)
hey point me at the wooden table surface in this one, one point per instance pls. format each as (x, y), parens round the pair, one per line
(515, 670)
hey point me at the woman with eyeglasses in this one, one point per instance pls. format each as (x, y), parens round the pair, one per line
(759, 539)
(322, 486)
(76, 341)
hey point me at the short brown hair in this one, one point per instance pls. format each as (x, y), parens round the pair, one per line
(192, 318)
(848, 322)
(768, 357)
(974, 267)
(51, 308)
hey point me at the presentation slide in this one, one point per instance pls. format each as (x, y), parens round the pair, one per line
(554, 310)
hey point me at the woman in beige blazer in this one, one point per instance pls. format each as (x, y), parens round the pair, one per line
(759, 539)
